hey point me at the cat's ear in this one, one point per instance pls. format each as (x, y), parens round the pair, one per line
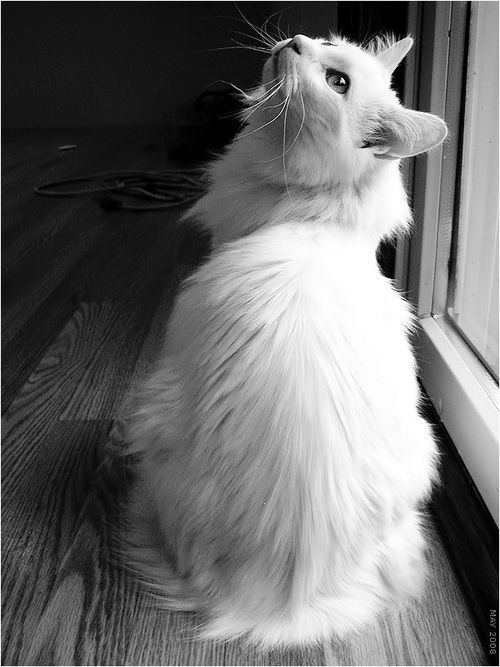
(402, 132)
(394, 54)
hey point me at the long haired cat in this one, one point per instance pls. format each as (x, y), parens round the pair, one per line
(283, 458)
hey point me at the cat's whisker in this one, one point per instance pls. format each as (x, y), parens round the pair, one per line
(284, 151)
(269, 82)
(270, 39)
(278, 157)
(264, 36)
(257, 39)
(274, 106)
(252, 47)
(301, 125)
(267, 96)
(281, 34)
(256, 103)
(268, 123)
(264, 26)
(226, 48)
(228, 83)
(259, 87)
(272, 91)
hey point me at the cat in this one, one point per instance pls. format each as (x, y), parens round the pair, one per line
(283, 461)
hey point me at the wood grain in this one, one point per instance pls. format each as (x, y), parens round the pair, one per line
(435, 631)
(82, 331)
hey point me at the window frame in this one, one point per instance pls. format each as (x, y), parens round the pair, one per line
(462, 391)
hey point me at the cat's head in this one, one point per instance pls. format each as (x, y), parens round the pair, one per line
(326, 112)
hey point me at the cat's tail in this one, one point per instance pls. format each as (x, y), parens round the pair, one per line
(137, 543)
(141, 551)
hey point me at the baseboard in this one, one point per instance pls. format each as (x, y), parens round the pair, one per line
(470, 536)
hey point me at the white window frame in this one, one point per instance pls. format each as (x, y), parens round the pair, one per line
(462, 391)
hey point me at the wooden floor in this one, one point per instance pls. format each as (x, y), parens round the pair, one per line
(86, 295)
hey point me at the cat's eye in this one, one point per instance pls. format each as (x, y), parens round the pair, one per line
(327, 44)
(338, 81)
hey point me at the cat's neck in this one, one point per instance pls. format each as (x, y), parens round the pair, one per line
(246, 194)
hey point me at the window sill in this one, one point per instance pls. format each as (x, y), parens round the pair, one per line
(466, 401)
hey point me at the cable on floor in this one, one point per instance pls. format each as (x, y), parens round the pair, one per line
(166, 188)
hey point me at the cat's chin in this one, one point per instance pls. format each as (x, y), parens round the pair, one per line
(268, 75)
(282, 64)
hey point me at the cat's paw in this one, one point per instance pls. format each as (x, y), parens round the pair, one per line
(403, 565)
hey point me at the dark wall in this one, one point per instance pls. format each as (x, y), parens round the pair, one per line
(117, 63)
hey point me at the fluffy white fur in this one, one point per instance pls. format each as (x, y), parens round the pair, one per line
(283, 458)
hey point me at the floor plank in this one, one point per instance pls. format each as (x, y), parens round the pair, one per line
(39, 512)
(136, 255)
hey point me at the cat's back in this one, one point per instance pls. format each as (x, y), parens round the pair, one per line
(296, 316)
(294, 284)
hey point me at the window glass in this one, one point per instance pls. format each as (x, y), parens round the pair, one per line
(473, 293)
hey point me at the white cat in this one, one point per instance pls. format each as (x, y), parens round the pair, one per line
(283, 458)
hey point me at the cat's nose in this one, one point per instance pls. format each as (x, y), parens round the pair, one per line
(296, 43)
